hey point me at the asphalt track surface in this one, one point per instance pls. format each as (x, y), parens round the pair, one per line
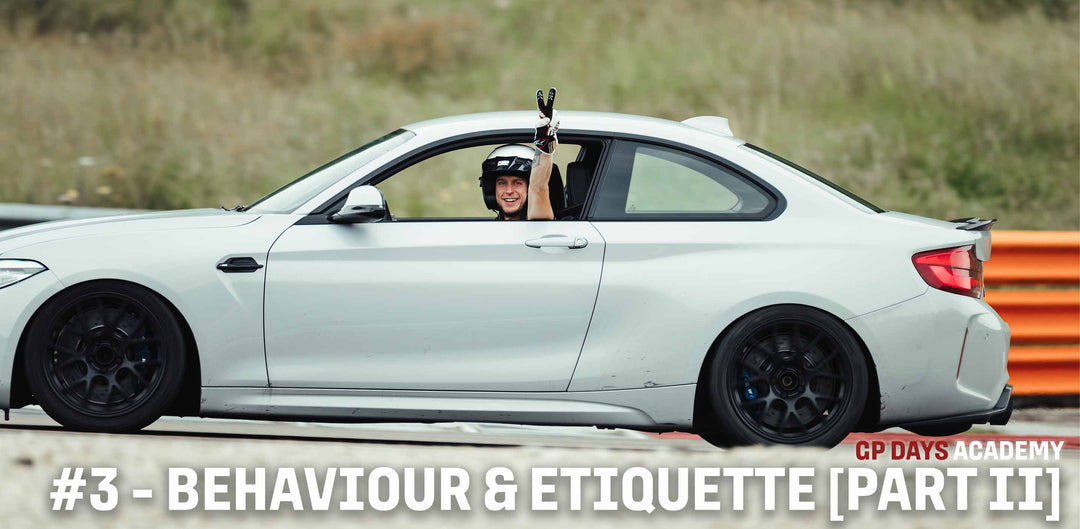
(1061, 424)
(34, 450)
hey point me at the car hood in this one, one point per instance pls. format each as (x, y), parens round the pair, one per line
(169, 220)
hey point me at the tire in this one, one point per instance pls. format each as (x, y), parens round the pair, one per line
(787, 375)
(105, 356)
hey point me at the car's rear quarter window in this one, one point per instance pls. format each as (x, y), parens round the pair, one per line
(645, 181)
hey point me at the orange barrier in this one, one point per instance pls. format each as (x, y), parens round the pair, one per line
(1044, 370)
(1039, 316)
(1027, 257)
(1033, 279)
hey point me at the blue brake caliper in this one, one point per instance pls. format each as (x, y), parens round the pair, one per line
(748, 391)
(143, 354)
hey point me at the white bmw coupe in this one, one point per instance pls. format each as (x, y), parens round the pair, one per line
(691, 281)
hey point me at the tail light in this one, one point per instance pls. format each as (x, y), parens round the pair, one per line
(955, 270)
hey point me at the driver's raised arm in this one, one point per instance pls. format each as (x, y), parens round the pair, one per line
(545, 140)
(539, 202)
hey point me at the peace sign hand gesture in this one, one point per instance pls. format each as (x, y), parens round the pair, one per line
(547, 125)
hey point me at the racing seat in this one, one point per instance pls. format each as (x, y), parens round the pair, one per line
(578, 176)
(555, 190)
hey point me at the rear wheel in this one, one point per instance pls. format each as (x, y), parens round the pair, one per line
(784, 375)
(105, 356)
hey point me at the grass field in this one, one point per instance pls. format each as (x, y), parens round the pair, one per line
(944, 109)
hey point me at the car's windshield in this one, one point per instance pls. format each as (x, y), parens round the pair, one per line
(817, 177)
(303, 189)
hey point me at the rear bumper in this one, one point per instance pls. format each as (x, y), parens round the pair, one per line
(998, 416)
(939, 355)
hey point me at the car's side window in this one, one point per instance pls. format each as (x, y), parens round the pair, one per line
(446, 186)
(441, 186)
(646, 181)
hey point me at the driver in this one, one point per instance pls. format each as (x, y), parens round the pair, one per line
(514, 178)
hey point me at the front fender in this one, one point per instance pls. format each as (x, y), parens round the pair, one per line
(223, 310)
(18, 303)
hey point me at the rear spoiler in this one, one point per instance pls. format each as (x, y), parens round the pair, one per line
(982, 241)
(974, 224)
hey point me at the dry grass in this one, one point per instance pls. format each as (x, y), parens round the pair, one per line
(932, 108)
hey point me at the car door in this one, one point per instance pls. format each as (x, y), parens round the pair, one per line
(682, 232)
(430, 305)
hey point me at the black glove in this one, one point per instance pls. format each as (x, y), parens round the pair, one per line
(545, 139)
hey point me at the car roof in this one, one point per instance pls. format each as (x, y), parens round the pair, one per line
(577, 121)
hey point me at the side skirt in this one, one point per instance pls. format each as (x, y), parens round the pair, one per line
(664, 408)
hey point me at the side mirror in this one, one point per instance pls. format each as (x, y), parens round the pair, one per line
(364, 204)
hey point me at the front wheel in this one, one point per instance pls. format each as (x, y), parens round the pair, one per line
(105, 356)
(784, 375)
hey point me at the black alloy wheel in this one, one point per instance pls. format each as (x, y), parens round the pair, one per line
(784, 375)
(105, 356)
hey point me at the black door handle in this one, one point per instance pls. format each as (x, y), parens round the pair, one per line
(239, 265)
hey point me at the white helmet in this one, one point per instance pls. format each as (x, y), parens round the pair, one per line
(512, 159)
